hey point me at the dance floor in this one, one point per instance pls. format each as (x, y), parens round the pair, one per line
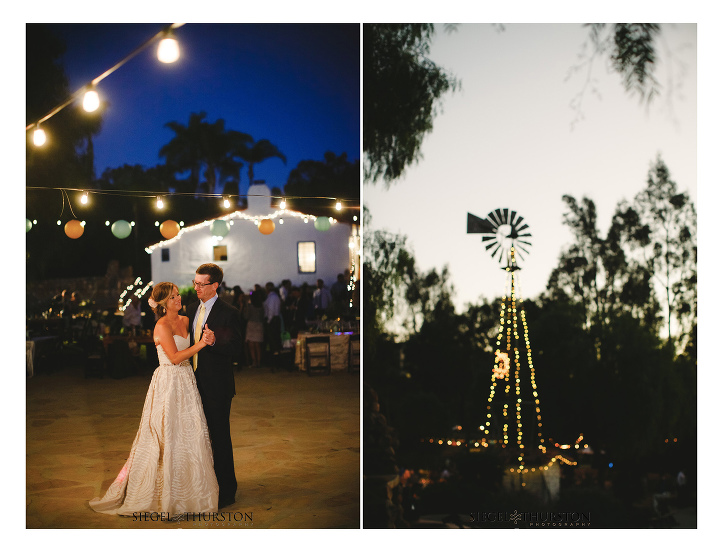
(296, 443)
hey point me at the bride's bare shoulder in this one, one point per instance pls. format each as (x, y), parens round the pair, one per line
(162, 329)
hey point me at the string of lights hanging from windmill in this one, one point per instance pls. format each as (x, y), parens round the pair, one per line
(506, 236)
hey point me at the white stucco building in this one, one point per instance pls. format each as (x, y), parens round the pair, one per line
(295, 250)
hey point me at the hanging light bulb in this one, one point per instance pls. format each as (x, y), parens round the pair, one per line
(283, 204)
(168, 50)
(338, 205)
(39, 136)
(84, 198)
(91, 101)
(226, 202)
(160, 202)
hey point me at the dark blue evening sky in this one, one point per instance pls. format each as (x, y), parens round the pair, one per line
(297, 85)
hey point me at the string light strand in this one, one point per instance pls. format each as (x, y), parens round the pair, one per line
(102, 76)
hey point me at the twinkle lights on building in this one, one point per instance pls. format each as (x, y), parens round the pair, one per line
(240, 216)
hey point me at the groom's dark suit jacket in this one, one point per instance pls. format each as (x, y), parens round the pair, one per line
(216, 383)
(214, 374)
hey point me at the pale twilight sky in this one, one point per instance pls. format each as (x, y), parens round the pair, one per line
(507, 140)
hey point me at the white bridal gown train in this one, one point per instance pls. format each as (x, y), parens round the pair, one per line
(170, 466)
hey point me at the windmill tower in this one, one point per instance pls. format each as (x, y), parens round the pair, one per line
(513, 419)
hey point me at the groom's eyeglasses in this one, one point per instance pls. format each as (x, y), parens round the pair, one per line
(196, 284)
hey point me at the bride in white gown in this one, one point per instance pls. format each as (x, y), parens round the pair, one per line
(170, 466)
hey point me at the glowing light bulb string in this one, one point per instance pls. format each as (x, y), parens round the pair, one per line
(155, 194)
(102, 76)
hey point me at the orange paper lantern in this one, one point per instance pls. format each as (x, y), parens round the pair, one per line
(267, 226)
(74, 229)
(169, 229)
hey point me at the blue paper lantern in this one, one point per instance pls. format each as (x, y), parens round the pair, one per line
(121, 229)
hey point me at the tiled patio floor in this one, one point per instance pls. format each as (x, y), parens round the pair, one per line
(296, 443)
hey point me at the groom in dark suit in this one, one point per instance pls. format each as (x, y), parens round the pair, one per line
(214, 371)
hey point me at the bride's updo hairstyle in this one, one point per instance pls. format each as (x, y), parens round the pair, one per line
(159, 297)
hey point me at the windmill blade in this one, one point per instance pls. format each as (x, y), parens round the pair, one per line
(494, 219)
(497, 243)
(478, 225)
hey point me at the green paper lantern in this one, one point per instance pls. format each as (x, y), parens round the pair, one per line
(322, 223)
(121, 229)
(28, 225)
(220, 228)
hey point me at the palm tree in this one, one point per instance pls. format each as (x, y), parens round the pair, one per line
(182, 153)
(205, 149)
(259, 152)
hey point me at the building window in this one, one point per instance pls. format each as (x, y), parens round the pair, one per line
(220, 253)
(306, 257)
(165, 255)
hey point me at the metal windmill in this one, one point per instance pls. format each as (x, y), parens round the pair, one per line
(502, 230)
(505, 235)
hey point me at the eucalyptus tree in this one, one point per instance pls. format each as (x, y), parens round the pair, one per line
(665, 233)
(403, 87)
(401, 91)
(595, 271)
